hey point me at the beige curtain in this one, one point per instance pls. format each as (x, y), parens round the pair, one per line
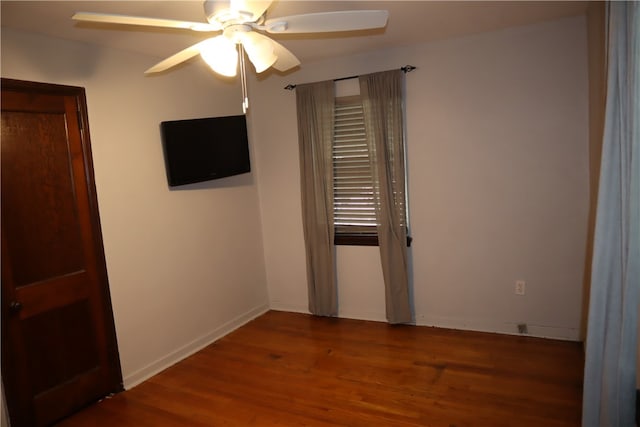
(315, 105)
(382, 100)
(609, 392)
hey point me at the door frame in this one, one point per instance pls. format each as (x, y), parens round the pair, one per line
(13, 391)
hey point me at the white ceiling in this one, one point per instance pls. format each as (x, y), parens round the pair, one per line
(409, 22)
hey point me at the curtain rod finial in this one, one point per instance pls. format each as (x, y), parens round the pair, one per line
(408, 68)
(290, 87)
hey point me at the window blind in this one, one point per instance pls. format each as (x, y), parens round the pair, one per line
(353, 204)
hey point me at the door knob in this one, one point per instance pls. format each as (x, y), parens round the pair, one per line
(15, 307)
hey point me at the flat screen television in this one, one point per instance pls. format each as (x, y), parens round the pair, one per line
(197, 150)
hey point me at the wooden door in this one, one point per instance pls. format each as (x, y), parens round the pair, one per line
(59, 350)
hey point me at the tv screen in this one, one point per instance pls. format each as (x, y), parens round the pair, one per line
(199, 150)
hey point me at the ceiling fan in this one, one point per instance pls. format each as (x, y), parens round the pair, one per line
(241, 23)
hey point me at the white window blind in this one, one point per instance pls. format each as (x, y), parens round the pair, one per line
(353, 201)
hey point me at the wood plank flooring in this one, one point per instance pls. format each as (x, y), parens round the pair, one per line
(288, 369)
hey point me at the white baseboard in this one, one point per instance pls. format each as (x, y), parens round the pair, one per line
(194, 346)
(343, 314)
(499, 327)
(478, 325)
(356, 314)
(278, 305)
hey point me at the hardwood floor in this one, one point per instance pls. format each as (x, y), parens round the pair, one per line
(287, 369)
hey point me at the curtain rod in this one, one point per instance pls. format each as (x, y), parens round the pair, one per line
(406, 69)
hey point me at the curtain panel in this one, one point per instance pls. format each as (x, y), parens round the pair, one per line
(382, 101)
(315, 110)
(611, 347)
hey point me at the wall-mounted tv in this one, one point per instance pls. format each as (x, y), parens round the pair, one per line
(197, 150)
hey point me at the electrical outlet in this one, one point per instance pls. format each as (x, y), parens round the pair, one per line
(520, 287)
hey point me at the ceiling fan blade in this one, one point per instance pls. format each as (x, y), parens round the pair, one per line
(176, 59)
(108, 18)
(286, 60)
(350, 20)
(256, 7)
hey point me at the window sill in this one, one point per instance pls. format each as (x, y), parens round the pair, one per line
(345, 239)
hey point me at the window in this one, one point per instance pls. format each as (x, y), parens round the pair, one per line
(353, 202)
(353, 185)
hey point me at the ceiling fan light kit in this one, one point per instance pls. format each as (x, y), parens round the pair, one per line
(221, 55)
(259, 50)
(240, 22)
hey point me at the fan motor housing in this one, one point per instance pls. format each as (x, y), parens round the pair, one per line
(216, 12)
(232, 31)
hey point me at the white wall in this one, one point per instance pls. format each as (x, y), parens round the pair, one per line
(498, 181)
(185, 266)
(498, 187)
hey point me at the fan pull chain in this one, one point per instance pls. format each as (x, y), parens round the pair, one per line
(243, 81)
